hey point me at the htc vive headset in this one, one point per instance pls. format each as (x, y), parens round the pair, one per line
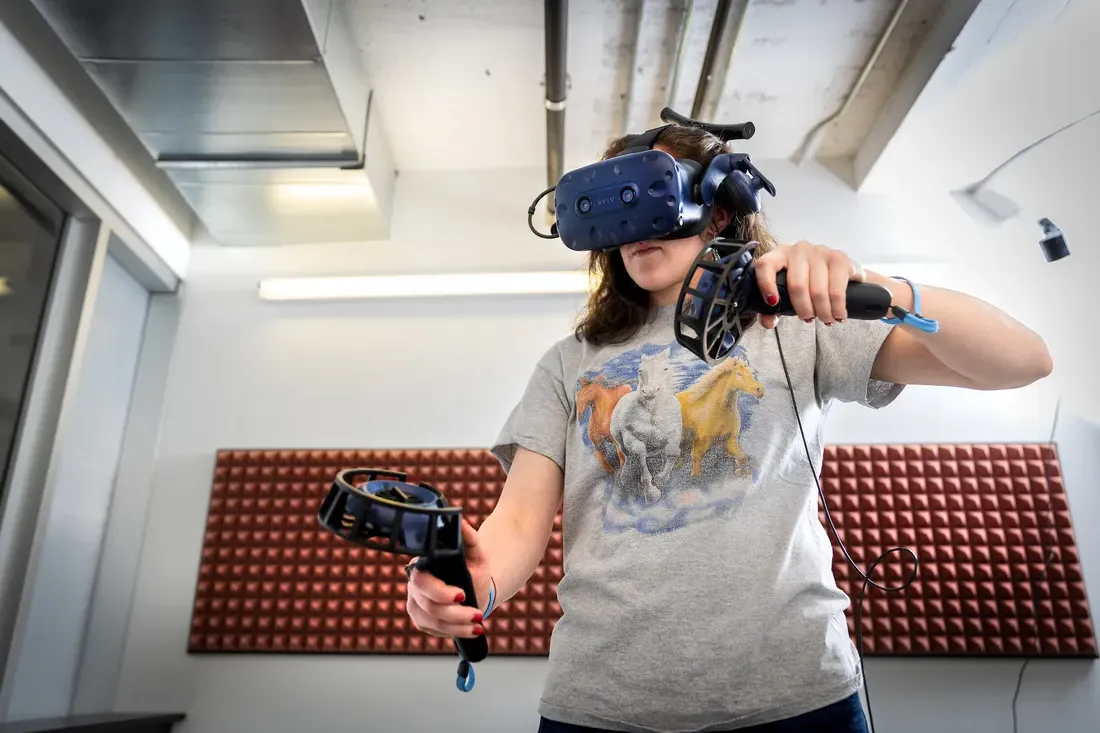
(646, 194)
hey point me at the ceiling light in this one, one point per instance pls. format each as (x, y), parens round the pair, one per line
(290, 192)
(417, 286)
(5, 289)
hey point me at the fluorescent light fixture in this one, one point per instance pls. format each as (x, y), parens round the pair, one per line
(289, 192)
(418, 286)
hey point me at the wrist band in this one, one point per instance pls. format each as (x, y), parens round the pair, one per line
(914, 319)
(492, 597)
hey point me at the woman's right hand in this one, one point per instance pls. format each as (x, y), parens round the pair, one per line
(439, 609)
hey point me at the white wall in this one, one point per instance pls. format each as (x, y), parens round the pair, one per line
(50, 637)
(247, 373)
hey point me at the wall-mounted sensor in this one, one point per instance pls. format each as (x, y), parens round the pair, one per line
(1053, 242)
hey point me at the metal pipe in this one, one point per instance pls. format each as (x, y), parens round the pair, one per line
(556, 20)
(813, 138)
(710, 59)
(624, 120)
(674, 81)
(729, 17)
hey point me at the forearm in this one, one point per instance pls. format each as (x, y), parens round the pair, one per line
(980, 343)
(514, 551)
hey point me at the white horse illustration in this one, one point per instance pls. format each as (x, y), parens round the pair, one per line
(646, 424)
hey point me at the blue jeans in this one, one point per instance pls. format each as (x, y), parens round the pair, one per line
(845, 716)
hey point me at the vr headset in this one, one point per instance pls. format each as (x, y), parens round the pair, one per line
(645, 194)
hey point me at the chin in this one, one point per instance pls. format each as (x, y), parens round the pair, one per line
(656, 282)
(662, 268)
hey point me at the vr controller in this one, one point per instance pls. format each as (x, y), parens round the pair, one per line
(380, 510)
(720, 298)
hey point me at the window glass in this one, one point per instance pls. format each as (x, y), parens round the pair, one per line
(28, 250)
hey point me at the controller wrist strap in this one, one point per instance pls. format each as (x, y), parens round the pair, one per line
(492, 597)
(914, 319)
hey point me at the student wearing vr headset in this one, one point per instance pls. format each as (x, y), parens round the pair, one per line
(698, 592)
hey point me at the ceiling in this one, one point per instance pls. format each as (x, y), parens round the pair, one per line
(459, 84)
(337, 97)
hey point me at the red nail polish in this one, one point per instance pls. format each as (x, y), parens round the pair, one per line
(808, 320)
(477, 618)
(478, 631)
(460, 598)
(772, 299)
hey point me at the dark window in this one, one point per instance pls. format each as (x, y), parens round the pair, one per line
(30, 235)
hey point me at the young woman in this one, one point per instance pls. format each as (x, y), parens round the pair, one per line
(698, 592)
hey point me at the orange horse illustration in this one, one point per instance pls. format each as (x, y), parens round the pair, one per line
(709, 409)
(603, 398)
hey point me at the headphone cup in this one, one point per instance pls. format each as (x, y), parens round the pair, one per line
(742, 195)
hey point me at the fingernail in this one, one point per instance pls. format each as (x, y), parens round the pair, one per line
(828, 323)
(772, 299)
(460, 598)
(808, 320)
(477, 618)
(478, 631)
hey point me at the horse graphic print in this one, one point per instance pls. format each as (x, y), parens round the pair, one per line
(662, 426)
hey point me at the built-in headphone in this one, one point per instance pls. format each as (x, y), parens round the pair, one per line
(740, 191)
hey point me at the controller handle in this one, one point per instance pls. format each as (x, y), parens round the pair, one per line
(866, 301)
(452, 570)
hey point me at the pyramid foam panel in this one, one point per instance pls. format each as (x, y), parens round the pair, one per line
(979, 517)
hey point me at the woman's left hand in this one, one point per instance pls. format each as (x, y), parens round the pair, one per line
(817, 281)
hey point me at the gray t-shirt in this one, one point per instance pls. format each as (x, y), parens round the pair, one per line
(698, 592)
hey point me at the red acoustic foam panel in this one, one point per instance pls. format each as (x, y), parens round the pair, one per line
(271, 579)
(981, 519)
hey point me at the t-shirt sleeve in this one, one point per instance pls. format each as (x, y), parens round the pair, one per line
(845, 355)
(539, 422)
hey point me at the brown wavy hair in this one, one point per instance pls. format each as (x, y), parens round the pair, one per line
(618, 307)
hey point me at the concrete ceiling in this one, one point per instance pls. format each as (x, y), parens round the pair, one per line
(459, 84)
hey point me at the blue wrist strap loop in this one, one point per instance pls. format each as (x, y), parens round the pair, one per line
(465, 678)
(492, 598)
(914, 319)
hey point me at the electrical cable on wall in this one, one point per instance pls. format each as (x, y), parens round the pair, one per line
(1048, 558)
(973, 192)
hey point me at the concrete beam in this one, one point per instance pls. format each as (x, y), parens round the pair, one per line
(937, 55)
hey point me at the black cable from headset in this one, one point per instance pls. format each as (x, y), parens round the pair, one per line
(1048, 557)
(874, 564)
(531, 216)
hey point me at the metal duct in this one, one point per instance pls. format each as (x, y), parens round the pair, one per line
(557, 12)
(259, 112)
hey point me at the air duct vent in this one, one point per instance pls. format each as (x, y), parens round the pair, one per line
(259, 112)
